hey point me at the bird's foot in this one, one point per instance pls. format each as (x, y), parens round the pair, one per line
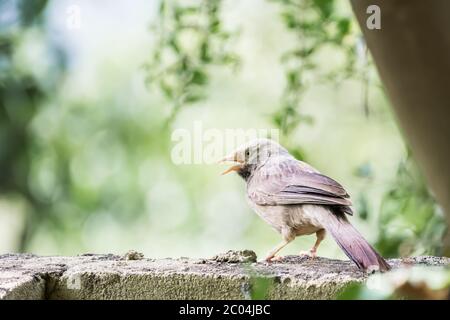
(310, 253)
(277, 259)
(270, 259)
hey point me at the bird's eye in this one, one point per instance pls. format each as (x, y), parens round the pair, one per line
(247, 153)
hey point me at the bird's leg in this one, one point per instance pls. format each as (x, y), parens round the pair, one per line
(271, 255)
(320, 235)
(288, 235)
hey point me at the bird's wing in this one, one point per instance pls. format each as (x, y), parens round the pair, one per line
(288, 183)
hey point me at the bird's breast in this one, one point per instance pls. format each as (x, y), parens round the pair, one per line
(272, 215)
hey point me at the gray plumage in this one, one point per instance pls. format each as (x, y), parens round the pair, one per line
(295, 199)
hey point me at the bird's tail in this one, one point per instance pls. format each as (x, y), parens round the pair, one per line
(353, 243)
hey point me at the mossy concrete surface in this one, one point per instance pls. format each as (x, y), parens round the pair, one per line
(232, 275)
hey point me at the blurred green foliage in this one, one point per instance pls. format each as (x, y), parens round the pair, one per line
(81, 162)
(20, 98)
(67, 163)
(415, 283)
(410, 222)
(315, 24)
(191, 40)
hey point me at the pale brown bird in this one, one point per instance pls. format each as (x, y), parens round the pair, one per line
(295, 199)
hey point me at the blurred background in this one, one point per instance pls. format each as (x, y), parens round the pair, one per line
(91, 92)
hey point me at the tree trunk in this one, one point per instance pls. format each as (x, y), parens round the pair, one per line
(412, 54)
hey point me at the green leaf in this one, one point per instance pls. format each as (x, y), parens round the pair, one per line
(205, 56)
(293, 78)
(173, 44)
(343, 26)
(298, 153)
(325, 6)
(363, 207)
(214, 26)
(290, 20)
(166, 89)
(31, 10)
(162, 7)
(193, 97)
(199, 77)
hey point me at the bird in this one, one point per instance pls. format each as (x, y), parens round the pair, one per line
(296, 199)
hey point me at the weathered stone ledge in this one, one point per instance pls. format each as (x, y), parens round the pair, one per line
(25, 276)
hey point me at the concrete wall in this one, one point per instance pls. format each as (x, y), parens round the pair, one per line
(232, 275)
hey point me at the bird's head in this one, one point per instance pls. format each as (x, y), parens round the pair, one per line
(252, 155)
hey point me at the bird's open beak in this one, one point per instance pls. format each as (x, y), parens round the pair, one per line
(232, 158)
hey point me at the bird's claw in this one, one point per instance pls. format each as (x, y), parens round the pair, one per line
(272, 259)
(310, 253)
